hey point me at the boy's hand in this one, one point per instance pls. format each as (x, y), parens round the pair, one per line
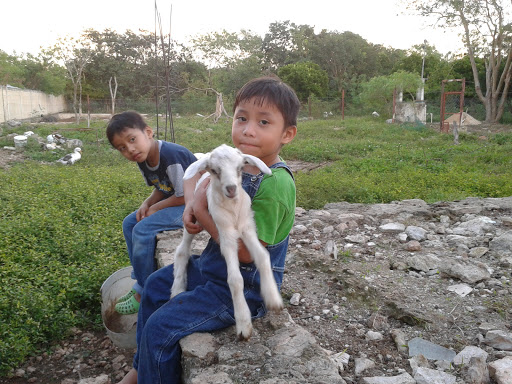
(190, 222)
(142, 212)
(196, 209)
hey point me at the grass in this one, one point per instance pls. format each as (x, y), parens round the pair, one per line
(61, 225)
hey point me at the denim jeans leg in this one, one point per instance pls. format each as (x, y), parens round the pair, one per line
(163, 322)
(128, 223)
(143, 240)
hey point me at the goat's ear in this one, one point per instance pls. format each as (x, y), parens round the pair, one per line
(253, 160)
(197, 166)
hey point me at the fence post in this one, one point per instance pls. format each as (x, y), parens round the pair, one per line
(309, 106)
(342, 104)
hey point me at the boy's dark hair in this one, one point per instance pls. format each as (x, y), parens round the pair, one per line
(119, 122)
(271, 90)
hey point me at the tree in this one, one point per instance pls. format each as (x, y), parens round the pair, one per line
(377, 93)
(11, 72)
(306, 78)
(226, 49)
(425, 59)
(75, 54)
(286, 43)
(345, 56)
(42, 74)
(486, 31)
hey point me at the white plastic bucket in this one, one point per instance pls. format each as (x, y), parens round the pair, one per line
(20, 141)
(121, 329)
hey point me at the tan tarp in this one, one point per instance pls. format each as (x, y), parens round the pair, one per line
(466, 119)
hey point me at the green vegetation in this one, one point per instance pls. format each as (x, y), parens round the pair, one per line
(61, 225)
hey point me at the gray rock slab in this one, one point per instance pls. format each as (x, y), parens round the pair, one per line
(499, 339)
(404, 378)
(392, 228)
(431, 351)
(465, 270)
(432, 376)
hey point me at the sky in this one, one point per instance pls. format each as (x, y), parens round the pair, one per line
(28, 25)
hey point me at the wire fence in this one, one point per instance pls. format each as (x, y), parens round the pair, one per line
(317, 108)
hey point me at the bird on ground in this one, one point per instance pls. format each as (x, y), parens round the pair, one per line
(71, 158)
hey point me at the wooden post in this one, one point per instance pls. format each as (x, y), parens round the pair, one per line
(455, 133)
(343, 104)
(309, 106)
(88, 113)
(394, 106)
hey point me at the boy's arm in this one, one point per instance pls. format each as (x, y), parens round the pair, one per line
(189, 219)
(157, 201)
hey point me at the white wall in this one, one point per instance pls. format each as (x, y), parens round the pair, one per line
(18, 104)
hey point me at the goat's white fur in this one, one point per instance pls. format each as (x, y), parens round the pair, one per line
(230, 207)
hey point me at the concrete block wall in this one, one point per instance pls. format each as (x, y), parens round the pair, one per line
(411, 112)
(19, 104)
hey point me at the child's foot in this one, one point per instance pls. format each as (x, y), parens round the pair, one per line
(127, 295)
(128, 307)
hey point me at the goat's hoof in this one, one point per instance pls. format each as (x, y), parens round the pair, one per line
(275, 305)
(276, 308)
(244, 334)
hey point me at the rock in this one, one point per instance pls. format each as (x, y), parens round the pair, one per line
(373, 336)
(502, 244)
(460, 289)
(399, 339)
(279, 348)
(467, 353)
(103, 379)
(331, 249)
(341, 359)
(431, 351)
(415, 233)
(357, 238)
(501, 370)
(404, 378)
(475, 371)
(418, 361)
(423, 263)
(474, 227)
(392, 228)
(362, 364)
(499, 339)
(466, 270)
(295, 299)
(432, 376)
(478, 252)
(413, 246)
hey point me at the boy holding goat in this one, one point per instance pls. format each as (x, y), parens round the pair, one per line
(265, 119)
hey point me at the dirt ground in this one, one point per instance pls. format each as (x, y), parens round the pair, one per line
(89, 353)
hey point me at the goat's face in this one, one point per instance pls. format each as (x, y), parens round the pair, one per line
(225, 165)
(225, 169)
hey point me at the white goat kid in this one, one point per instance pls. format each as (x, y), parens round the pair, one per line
(230, 208)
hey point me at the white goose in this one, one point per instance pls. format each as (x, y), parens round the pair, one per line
(71, 158)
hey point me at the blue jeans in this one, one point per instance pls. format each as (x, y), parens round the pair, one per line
(141, 240)
(206, 306)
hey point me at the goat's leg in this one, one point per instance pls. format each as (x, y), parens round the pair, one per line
(261, 257)
(229, 249)
(181, 257)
